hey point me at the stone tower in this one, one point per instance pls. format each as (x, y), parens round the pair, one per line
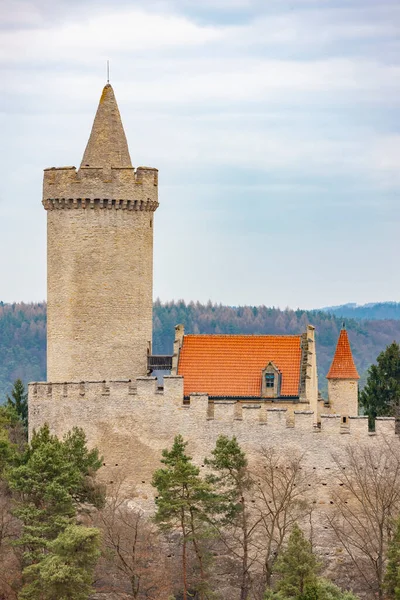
(100, 258)
(343, 379)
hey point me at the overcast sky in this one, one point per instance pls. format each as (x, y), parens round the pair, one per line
(274, 125)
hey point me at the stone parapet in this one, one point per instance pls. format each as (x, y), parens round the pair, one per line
(139, 397)
(89, 187)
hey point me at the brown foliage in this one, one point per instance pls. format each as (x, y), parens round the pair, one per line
(367, 503)
(135, 559)
(280, 499)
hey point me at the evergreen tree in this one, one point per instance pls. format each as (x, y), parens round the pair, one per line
(19, 401)
(49, 481)
(66, 572)
(231, 478)
(298, 570)
(8, 450)
(324, 589)
(183, 501)
(297, 566)
(381, 394)
(392, 575)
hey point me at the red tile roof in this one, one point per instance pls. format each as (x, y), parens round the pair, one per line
(343, 366)
(231, 365)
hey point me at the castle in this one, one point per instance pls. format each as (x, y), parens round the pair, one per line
(263, 389)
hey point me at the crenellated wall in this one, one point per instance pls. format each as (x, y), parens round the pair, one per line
(131, 422)
(92, 183)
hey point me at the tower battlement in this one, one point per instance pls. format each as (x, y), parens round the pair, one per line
(122, 187)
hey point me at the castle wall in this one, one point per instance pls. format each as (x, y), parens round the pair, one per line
(100, 272)
(132, 422)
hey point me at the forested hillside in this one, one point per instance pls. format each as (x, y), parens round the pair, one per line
(373, 310)
(23, 333)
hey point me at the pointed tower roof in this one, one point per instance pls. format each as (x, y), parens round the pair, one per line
(343, 366)
(107, 145)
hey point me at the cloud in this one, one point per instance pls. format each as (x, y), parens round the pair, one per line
(254, 111)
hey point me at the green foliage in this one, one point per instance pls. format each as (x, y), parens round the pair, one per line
(9, 422)
(50, 480)
(324, 589)
(296, 566)
(231, 479)
(392, 575)
(66, 572)
(381, 394)
(181, 492)
(19, 402)
(184, 500)
(229, 476)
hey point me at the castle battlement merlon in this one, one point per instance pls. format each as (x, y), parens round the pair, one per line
(137, 397)
(126, 187)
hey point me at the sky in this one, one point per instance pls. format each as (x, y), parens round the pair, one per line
(274, 125)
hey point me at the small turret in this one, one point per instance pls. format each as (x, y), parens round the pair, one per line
(343, 379)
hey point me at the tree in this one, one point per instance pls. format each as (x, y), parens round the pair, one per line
(10, 569)
(296, 566)
(323, 589)
(19, 402)
(281, 489)
(183, 502)
(367, 502)
(66, 572)
(231, 477)
(51, 479)
(381, 394)
(392, 575)
(133, 549)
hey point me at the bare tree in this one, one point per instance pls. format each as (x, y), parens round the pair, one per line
(367, 501)
(133, 548)
(281, 499)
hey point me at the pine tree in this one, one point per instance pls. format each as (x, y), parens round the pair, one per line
(8, 450)
(49, 482)
(183, 501)
(66, 572)
(231, 477)
(296, 566)
(19, 401)
(298, 569)
(381, 394)
(392, 575)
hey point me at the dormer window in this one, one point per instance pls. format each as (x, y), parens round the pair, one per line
(270, 381)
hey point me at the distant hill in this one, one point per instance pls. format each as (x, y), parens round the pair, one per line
(377, 310)
(23, 333)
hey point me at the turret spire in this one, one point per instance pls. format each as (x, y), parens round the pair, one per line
(107, 146)
(343, 366)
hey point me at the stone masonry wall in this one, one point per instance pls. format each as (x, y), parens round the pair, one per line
(100, 272)
(343, 396)
(132, 422)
